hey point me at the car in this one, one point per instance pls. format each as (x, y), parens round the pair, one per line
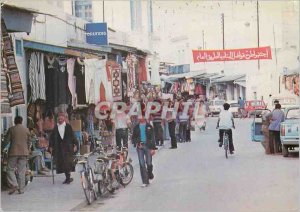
(289, 130)
(254, 107)
(216, 106)
(234, 107)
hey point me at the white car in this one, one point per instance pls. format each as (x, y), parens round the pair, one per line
(234, 108)
(216, 106)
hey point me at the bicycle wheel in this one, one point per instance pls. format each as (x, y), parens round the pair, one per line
(85, 186)
(101, 187)
(92, 184)
(126, 173)
(225, 143)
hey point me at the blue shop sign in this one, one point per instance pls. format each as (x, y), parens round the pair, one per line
(96, 33)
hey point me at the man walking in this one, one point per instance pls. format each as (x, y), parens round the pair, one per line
(171, 124)
(241, 103)
(144, 141)
(63, 144)
(122, 122)
(19, 137)
(276, 116)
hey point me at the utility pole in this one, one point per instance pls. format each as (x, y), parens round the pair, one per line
(103, 18)
(257, 14)
(223, 25)
(202, 39)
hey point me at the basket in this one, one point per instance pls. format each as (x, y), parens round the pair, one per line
(99, 167)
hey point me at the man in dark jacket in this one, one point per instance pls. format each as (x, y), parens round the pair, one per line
(19, 137)
(63, 145)
(143, 140)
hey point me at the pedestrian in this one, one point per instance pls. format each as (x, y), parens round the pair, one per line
(157, 125)
(171, 125)
(63, 145)
(276, 117)
(241, 103)
(206, 103)
(122, 122)
(183, 124)
(143, 140)
(19, 138)
(226, 123)
(265, 130)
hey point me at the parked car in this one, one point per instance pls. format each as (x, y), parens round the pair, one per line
(216, 106)
(234, 107)
(289, 130)
(252, 105)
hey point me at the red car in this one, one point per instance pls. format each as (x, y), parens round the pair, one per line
(252, 105)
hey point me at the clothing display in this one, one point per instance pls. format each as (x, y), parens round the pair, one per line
(37, 76)
(291, 83)
(79, 73)
(142, 70)
(71, 79)
(14, 87)
(115, 70)
(95, 75)
(57, 90)
(131, 75)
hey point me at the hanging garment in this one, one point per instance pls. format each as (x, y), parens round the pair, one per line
(131, 78)
(131, 70)
(79, 72)
(49, 79)
(115, 70)
(71, 79)
(57, 90)
(142, 70)
(5, 107)
(89, 80)
(95, 74)
(37, 76)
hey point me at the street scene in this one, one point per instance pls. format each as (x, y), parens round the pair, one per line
(150, 105)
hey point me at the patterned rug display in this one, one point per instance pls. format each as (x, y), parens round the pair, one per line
(10, 70)
(115, 70)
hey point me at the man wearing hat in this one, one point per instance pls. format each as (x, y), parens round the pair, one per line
(63, 145)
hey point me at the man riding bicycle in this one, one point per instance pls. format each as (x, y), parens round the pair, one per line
(226, 123)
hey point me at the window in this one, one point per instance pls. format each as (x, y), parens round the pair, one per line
(19, 48)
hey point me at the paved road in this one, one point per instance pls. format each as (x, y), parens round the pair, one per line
(197, 177)
(194, 177)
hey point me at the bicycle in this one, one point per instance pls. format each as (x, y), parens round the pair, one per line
(226, 142)
(113, 166)
(87, 178)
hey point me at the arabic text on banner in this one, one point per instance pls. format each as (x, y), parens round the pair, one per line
(260, 53)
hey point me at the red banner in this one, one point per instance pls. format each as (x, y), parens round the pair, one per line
(260, 53)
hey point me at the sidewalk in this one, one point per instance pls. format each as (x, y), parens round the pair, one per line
(42, 195)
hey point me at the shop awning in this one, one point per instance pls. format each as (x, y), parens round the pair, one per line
(43, 47)
(287, 72)
(192, 74)
(230, 78)
(123, 48)
(86, 46)
(59, 49)
(240, 81)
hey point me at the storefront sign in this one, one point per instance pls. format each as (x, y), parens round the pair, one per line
(260, 53)
(96, 33)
